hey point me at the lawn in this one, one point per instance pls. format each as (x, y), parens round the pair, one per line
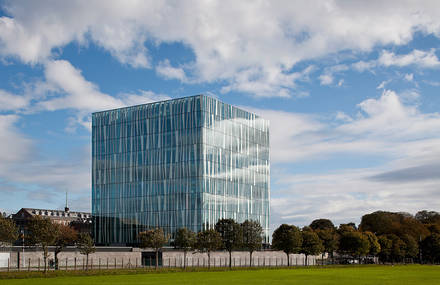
(410, 274)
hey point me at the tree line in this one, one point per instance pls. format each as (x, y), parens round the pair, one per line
(226, 235)
(391, 237)
(43, 232)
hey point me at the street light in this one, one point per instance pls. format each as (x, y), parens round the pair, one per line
(22, 246)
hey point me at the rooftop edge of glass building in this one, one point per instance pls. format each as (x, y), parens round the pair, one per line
(184, 162)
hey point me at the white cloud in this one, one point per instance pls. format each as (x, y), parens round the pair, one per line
(251, 47)
(419, 58)
(79, 93)
(10, 101)
(390, 127)
(165, 69)
(364, 65)
(409, 77)
(14, 147)
(66, 88)
(426, 59)
(382, 84)
(326, 79)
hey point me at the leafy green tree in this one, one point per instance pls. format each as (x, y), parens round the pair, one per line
(8, 231)
(86, 246)
(154, 238)
(354, 243)
(411, 247)
(43, 233)
(185, 240)
(374, 243)
(386, 245)
(252, 237)
(322, 224)
(208, 241)
(287, 238)
(398, 251)
(65, 236)
(329, 239)
(311, 244)
(231, 234)
(431, 248)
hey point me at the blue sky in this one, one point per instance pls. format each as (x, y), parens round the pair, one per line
(351, 90)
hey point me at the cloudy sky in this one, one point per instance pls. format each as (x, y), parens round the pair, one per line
(351, 89)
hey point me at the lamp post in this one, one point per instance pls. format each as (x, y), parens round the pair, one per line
(22, 246)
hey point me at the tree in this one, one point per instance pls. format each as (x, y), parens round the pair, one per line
(208, 241)
(354, 243)
(185, 240)
(431, 248)
(8, 231)
(428, 217)
(231, 234)
(397, 249)
(382, 222)
(42, 233)
(311, 244)
(86, 246)
(288, 239)
(154, 238)
(322, 224)
(329, 239)
(411, 247)
(386, 245)
(343, 228)
(374, 243)
(65, 236)
(252, 237)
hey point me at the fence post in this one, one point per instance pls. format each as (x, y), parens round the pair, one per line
(8, 264)
(136, 262)
(122, 263)
(39, 264)
(66, 263)
(29, 264)
(115, 262)
(129, 263)
(83, 263)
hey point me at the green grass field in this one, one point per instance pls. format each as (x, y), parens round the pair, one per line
(410, 274)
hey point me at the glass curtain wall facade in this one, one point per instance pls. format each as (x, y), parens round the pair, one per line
(180, 163)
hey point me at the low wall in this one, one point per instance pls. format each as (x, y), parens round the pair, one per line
(124, 257)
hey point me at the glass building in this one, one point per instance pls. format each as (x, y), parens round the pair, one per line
(179, 163)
